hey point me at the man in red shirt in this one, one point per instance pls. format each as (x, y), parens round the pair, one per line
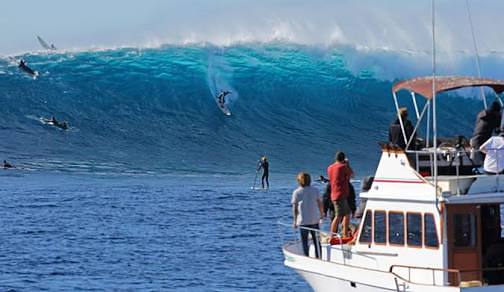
(339, 177)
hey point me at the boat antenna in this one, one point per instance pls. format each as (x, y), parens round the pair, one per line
(434, 116)
(477, 57)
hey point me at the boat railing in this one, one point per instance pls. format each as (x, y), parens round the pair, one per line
(321, 236)
(458, 173)
(455, 275)
(432, 271)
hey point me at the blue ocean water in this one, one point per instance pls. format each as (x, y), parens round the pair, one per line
(189, 233)
(64, 232)
(150, 187)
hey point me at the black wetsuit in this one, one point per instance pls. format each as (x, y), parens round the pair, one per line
(222, 96)
(487, 122)
(61, 125)
(265, 176)
(7, 165)
(25, 68)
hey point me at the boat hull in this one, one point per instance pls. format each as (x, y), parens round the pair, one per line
(324, 275)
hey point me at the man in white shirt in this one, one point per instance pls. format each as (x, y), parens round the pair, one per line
(494, 150)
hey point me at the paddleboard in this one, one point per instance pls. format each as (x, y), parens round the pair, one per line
(222, 107)
(259, 189)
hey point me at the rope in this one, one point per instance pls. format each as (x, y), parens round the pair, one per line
(476, 52)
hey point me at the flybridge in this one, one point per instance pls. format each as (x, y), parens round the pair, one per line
(428, 87)
(451, 166)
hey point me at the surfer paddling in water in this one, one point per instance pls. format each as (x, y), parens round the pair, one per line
(53, 122)
(23, 67)
(7, 165)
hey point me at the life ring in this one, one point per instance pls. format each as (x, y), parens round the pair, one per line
(340, 240)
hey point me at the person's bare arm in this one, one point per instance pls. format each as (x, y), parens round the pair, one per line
(483, 148)
(294, 215)
(321, 208)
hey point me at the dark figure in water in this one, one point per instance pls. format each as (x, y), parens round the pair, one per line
(264, 164)
(56, 123)
(7, 165)
(222, 96)
(22, 65)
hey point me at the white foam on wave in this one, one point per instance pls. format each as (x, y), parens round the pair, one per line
(364, 24)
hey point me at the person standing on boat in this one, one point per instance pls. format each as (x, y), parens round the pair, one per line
(327, 203)
(487, 122)
(307, 211)
(339, 174)
(396, 137)
(264, 165)
(329, 206)
(494, 150)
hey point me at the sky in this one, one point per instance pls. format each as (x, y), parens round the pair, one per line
(363, 24)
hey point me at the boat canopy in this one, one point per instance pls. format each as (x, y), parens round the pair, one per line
(423, 85)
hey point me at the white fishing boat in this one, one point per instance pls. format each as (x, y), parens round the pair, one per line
(430, 223)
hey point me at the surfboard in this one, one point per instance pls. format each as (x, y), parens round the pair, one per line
(34, 74)
(222, 107)
(259, 189)
(46, 121)
(45, 45)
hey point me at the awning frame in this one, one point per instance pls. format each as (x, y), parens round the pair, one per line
(423, 86)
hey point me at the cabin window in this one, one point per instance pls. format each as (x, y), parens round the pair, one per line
(465, 230)
(414, 226)
(396, 228)
(380, 227)
(366, 231)
(431, 237)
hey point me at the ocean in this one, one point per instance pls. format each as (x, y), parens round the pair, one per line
(149, 189)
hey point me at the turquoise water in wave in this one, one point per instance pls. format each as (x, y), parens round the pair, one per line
(152, 110)
(150, 187)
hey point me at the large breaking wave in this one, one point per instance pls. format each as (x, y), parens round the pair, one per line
(152, 110)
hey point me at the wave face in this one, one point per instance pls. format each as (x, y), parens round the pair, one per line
(152, 110)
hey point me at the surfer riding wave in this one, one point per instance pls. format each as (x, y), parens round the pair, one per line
(222, 96)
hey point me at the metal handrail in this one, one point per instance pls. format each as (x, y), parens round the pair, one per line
(319, 232)
(449, 271)
(325, 233)
(434, 270)
(454, 156)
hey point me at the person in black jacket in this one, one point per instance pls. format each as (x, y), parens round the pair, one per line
(487, 122)
(264, 165)
(396, 137)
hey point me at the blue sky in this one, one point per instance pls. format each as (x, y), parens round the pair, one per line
(366, 24)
